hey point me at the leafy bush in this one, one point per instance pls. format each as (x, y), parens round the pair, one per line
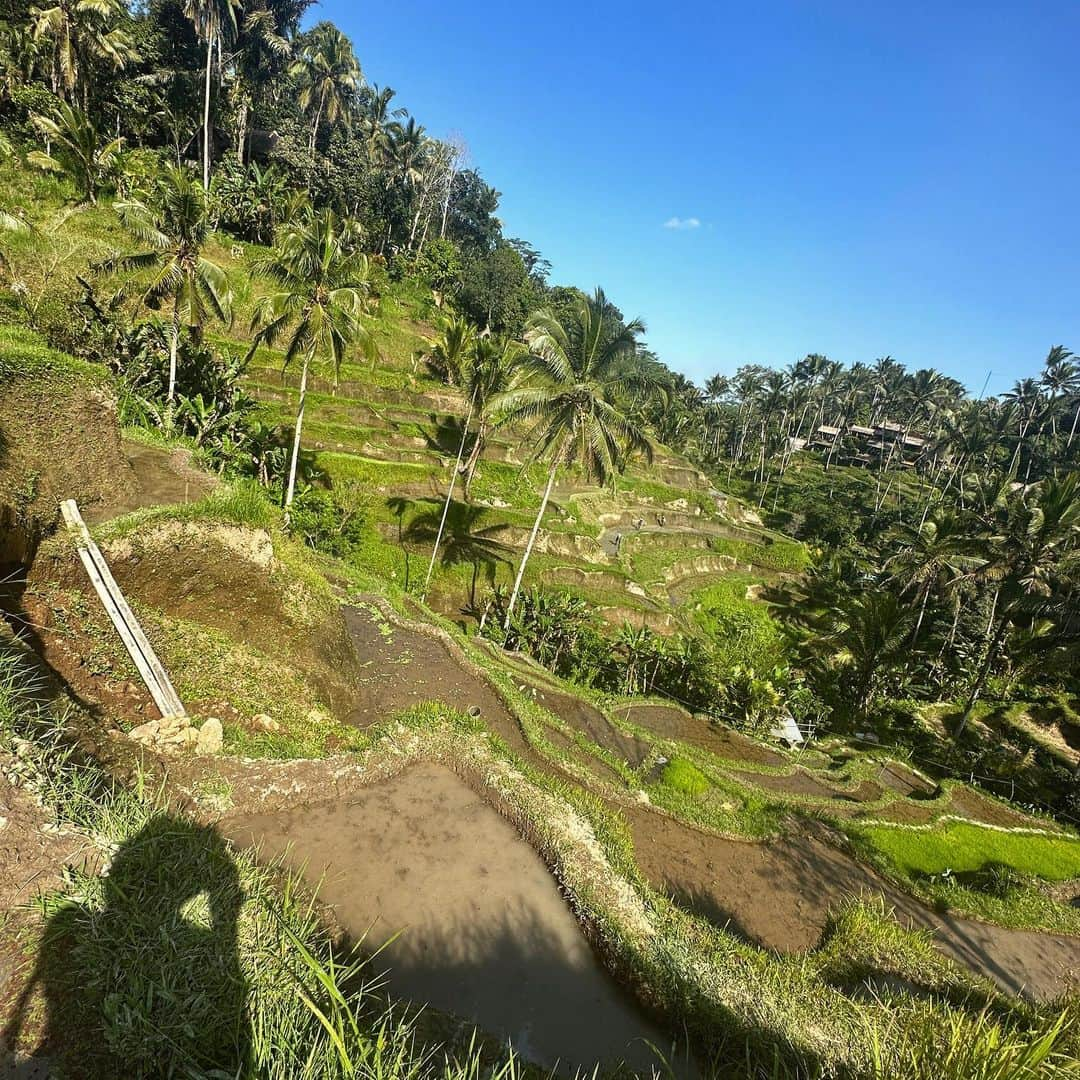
(332, 522)
(742, 632)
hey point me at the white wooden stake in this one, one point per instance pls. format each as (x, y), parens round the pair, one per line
(123, 618)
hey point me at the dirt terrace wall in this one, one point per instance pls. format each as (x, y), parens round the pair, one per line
(229, 579)
(59, 439)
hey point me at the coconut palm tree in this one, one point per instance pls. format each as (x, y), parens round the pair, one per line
(574, 360)
(1034, 549)
(319, 308)
(75, 148)
(263, 49)
(490, 372)
(329, 75)
(82, 32)
(933, 556)
(486, 372)
(450, 350)
(215, 26)
(175, 230)
(1060, 378)
(376, 121)
(407, 143)
(864, 639)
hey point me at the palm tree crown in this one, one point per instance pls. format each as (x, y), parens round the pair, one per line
(577, 368)
(576, 364)
(324, 284)
(329, 76)
(175, 230)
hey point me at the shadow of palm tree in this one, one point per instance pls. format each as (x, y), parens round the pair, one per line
(467, 540)
(399, 506)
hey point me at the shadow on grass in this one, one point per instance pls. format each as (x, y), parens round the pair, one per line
(140, 973)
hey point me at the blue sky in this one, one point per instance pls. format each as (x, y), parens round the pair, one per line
(850, 178)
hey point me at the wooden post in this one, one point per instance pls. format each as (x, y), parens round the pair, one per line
(123, 618)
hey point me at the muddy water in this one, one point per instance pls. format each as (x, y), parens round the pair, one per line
(485, 933)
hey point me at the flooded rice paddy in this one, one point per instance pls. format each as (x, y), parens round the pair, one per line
(484, 932)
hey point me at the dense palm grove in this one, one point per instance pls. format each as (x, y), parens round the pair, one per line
(944, 529)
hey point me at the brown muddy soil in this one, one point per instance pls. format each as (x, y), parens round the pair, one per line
(670, 722)
(161, 478)
(601, 770)
(399, 667)
(592, 722)
(778, 894)
(903, 781)
(60, 440)
(32, 851)
(963, 802)
(484, 931)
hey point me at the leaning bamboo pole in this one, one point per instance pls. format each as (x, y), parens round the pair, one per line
(123, 618)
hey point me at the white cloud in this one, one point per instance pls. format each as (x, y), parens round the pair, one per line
(682, 223)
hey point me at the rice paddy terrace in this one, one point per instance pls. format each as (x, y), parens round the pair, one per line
(602, 875)
(638, 552)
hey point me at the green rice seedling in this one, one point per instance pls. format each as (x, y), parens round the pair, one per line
(955, 1046)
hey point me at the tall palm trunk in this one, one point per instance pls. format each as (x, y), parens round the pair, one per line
(241, 130)
(532, 538)
(315, 130)
(446, 505)
(291, 489)
(206, 113)
(984, 671)
(1072, 430)
(174, 349)
(446, 204)
(470, 466)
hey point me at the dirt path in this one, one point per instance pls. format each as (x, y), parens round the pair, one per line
(485, 933)
(778, 895)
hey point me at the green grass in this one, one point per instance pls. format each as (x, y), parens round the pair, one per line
(781, 555)
(24, 354)
(741, 631)
(681, 776)
(244, 503)
(959, 846)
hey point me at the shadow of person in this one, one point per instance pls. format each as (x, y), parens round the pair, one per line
(140, 973)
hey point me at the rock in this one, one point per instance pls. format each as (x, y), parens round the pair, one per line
(168, 733)
(209, 737)
(264, 722)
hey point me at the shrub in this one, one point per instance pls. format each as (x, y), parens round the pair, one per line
(331, 522)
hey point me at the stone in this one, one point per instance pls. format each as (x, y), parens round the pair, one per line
(168, 733)
(209, 738)
(264, 722)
